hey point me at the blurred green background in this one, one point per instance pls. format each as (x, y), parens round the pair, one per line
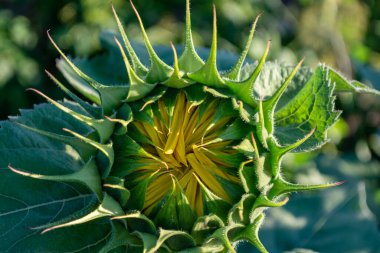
(344, 34)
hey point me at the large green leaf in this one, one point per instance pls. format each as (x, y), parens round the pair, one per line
(30, 151)
(46, 117)
(312, 107)
(27, 203)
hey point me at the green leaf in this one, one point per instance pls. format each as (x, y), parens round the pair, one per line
(344, 85)
(45, 202)
(88, 222)
(212, 247)
(107, 208)
(47, 116)
(103, 127)
(312, 107)
(250, 177)
(85, 151)
(153, 96)
(123, 117)
(23, 148)
(87, 176)
(44, 118)
(89, 237)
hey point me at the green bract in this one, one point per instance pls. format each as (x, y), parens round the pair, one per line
(183, 155)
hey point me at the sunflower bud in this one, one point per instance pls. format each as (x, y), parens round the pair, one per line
(168, 158)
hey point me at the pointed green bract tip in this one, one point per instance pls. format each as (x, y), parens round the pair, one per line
(189, 60)
(138, 88)
(208, 74)
(244, 90)
(108, 207)
(234, 73)
(177, 79)
(136, 63)
(159, 71)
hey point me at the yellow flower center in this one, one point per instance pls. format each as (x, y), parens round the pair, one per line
(181, 140)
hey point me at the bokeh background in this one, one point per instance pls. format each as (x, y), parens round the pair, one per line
(344, 34)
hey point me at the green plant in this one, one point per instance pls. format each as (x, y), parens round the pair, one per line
(167, 158)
